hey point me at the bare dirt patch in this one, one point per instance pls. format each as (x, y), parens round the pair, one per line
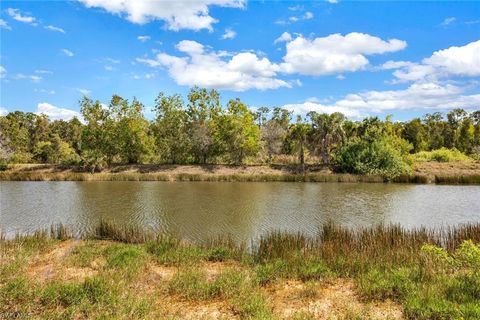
(334, 299)
(195, 310)
(50, 265)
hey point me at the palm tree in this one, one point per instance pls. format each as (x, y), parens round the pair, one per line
(328, 132)
(299, 132)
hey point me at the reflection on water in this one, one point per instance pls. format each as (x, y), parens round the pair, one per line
(201, 210)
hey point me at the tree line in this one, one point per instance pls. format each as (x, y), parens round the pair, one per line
(199, 131)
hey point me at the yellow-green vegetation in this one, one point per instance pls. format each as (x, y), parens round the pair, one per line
(441, 155)
(124, 273)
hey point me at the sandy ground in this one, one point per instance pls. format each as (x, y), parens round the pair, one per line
(420, 168)
(169, 169)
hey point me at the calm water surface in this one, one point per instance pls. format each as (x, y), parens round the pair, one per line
(198, 211)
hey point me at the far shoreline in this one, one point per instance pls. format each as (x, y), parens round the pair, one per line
(465, 172)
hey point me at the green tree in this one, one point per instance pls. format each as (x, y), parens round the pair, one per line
(238, 133)
(171, 129)
(69, 131)
(451, 132)
(415, 133)
(435, 127)
(17, 127)
(97, 144)
(466, 136)
(133, 144)
(475, 116)
(203, 111)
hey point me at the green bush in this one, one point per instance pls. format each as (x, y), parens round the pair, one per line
(385, 156)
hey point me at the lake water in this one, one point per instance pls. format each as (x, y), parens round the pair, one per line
(201, 210)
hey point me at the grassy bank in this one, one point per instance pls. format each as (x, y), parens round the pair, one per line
(424, 172)
(377, 273)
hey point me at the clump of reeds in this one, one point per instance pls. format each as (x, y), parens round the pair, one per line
(278, 244)
(352, 251)
(458, 179)
(60, 232)
(106, 230)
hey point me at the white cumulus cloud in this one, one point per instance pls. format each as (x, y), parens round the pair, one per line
(308, 106)
(335, 53)
(461, 61)
(418, 96)
(206, 68)
(56, 113)
(464, 61)
(179, 14)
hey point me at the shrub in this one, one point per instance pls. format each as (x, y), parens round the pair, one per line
(385, 156)
(440, 155)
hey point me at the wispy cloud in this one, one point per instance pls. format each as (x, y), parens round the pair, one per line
(472, 22)
(67, 52)
(21, 76)
(143, 38)
(55, 29)
(41, 71)
(18, 16)
(307, 16)
(111, 60)
(4, 25)
(448, 21)
(85, 92)
(45, 91)
(3, 72)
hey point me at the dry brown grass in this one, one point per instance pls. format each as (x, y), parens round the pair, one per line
(467, 172)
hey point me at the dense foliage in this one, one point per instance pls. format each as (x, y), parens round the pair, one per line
(200, 130)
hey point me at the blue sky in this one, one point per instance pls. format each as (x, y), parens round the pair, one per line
(360, 58)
